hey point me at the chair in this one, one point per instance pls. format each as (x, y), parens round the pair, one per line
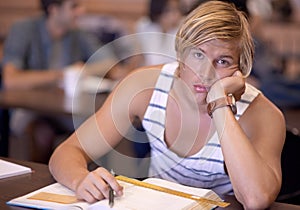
(290, 163)
(4, 126)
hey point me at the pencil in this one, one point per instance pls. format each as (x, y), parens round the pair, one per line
(111, 197)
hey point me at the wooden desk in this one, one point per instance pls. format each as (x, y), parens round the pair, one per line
(20, 185)
(48, 102)
(51, 101)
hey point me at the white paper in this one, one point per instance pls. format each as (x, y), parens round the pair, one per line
(8, 169)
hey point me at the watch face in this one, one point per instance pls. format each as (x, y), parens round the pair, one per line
(233, 109)
(232, 103)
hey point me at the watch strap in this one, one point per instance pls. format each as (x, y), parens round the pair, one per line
(228, 100)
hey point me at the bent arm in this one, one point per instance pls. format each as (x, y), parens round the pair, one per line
(252, 149)
(94, 138)
(98, 135)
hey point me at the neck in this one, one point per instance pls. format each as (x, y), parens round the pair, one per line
(55, 30)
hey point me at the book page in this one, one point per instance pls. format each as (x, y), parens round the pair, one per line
(57, 189)
(8, 169)
(136, 198)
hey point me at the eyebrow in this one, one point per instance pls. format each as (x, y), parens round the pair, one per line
(226, 56)
(195, 48)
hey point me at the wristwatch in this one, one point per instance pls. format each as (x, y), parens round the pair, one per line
(229, 101)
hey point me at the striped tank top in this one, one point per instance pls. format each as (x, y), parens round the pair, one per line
(205, 169)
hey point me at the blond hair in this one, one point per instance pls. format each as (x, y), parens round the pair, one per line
(217, 20)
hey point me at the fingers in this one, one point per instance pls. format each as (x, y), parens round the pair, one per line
(96, 185)
(239, 86)
(237, 73)
(112, 182)
(234, 67)
(234, 84)
(89, 192)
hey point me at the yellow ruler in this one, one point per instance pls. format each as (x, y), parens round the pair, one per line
(53, 197)
(171, 191)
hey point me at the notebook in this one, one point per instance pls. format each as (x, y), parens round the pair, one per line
(56, 196)
(8, 169)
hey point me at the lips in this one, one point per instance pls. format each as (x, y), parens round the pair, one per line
(200, 88)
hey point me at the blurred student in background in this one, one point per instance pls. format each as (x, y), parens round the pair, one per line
(277, 72)
(36, 52)
(157, 31)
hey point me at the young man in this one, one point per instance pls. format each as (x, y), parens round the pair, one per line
(198, 135)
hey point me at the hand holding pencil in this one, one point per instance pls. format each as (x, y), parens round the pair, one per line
(96, 185)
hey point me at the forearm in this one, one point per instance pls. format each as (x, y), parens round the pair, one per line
(68, 167)
(99, 68)
(254, 181)
(19, 79)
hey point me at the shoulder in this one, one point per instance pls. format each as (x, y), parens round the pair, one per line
(27, 25)
(136, 89)
(141, 78)
(22, 34)
(259, 102)
(23, 31)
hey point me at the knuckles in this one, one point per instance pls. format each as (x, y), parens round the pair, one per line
(87, 192)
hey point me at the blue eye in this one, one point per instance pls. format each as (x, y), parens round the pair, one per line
(198, 55)
(223, 62)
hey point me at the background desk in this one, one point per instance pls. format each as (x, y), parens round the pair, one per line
(20, 185)
(51, 101)
(46, 101)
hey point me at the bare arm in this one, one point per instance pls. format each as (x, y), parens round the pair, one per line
(98, 135)
(14, 78)
(92, 139)
(259, 158)
(252, 149)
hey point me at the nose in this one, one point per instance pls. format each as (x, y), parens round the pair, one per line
(206, 73)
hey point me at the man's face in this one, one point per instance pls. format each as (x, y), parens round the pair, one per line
(66, 15)
(207, 63)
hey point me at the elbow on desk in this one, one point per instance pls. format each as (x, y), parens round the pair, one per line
(256, 201)
(54, 164)
(51, 166)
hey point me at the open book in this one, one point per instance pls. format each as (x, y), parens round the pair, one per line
(135, 197)
(8, 169)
